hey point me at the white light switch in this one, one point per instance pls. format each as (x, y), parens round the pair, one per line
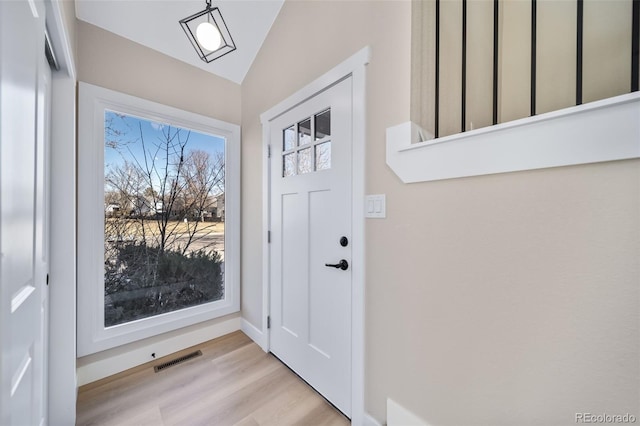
(375, 206)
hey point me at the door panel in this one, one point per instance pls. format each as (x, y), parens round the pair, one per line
(310, 212)
(22, 213)
(293, 242)
(320, 335)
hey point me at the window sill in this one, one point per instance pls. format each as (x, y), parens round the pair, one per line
(599, 131)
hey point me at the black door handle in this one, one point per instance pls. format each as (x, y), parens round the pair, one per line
(343, 264)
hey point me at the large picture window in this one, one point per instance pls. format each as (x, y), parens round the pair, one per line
(164, 218)
(158, 219)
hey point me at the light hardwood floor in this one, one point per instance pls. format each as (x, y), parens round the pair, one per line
(233, 383)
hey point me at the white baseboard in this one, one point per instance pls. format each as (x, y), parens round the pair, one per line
(368, 420)
(104, 364)
(254, 333)
(397, 415)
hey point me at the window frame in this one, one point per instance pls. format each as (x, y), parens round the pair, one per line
(93, 336)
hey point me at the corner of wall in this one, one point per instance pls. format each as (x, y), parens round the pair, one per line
(254, 334)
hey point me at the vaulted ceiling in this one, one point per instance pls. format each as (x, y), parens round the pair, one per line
(154, 23)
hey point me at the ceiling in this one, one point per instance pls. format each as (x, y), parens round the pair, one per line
(154, 23)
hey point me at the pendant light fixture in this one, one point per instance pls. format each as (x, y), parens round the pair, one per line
(208, 33)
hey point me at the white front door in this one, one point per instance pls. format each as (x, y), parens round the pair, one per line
(23, 213)
(311, 184)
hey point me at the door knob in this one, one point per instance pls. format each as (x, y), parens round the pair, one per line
(343, 264)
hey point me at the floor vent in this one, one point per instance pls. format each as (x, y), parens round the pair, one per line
(177, 361)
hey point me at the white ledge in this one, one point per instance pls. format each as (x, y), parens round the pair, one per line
(599, 131)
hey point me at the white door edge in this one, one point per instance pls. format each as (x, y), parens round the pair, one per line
(355, 66)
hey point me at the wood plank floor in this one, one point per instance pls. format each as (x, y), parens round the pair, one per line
(233, 383)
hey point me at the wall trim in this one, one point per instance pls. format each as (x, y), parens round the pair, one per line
(98, 366)
(397, 415)
(60, 38)
(62, 377)
(598, 131)
(368, 420)
(354, 66)
(254, 334)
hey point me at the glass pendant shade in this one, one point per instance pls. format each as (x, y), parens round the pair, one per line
(208, 33)
(208, 36)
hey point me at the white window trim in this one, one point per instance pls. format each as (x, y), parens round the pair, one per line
(605, 130)
(92, 335)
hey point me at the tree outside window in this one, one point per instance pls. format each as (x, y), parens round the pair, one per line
(164, 193)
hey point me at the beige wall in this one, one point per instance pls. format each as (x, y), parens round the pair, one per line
(607, 48)
(511, 299)
(307, 40)
(113, 62)
(503, 300)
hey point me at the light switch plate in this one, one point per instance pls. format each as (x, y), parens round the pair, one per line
(375, 206)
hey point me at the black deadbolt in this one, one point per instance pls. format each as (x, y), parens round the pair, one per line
(344, 241)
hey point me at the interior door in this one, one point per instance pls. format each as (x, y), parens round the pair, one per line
(310, 252)
(22, 213)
